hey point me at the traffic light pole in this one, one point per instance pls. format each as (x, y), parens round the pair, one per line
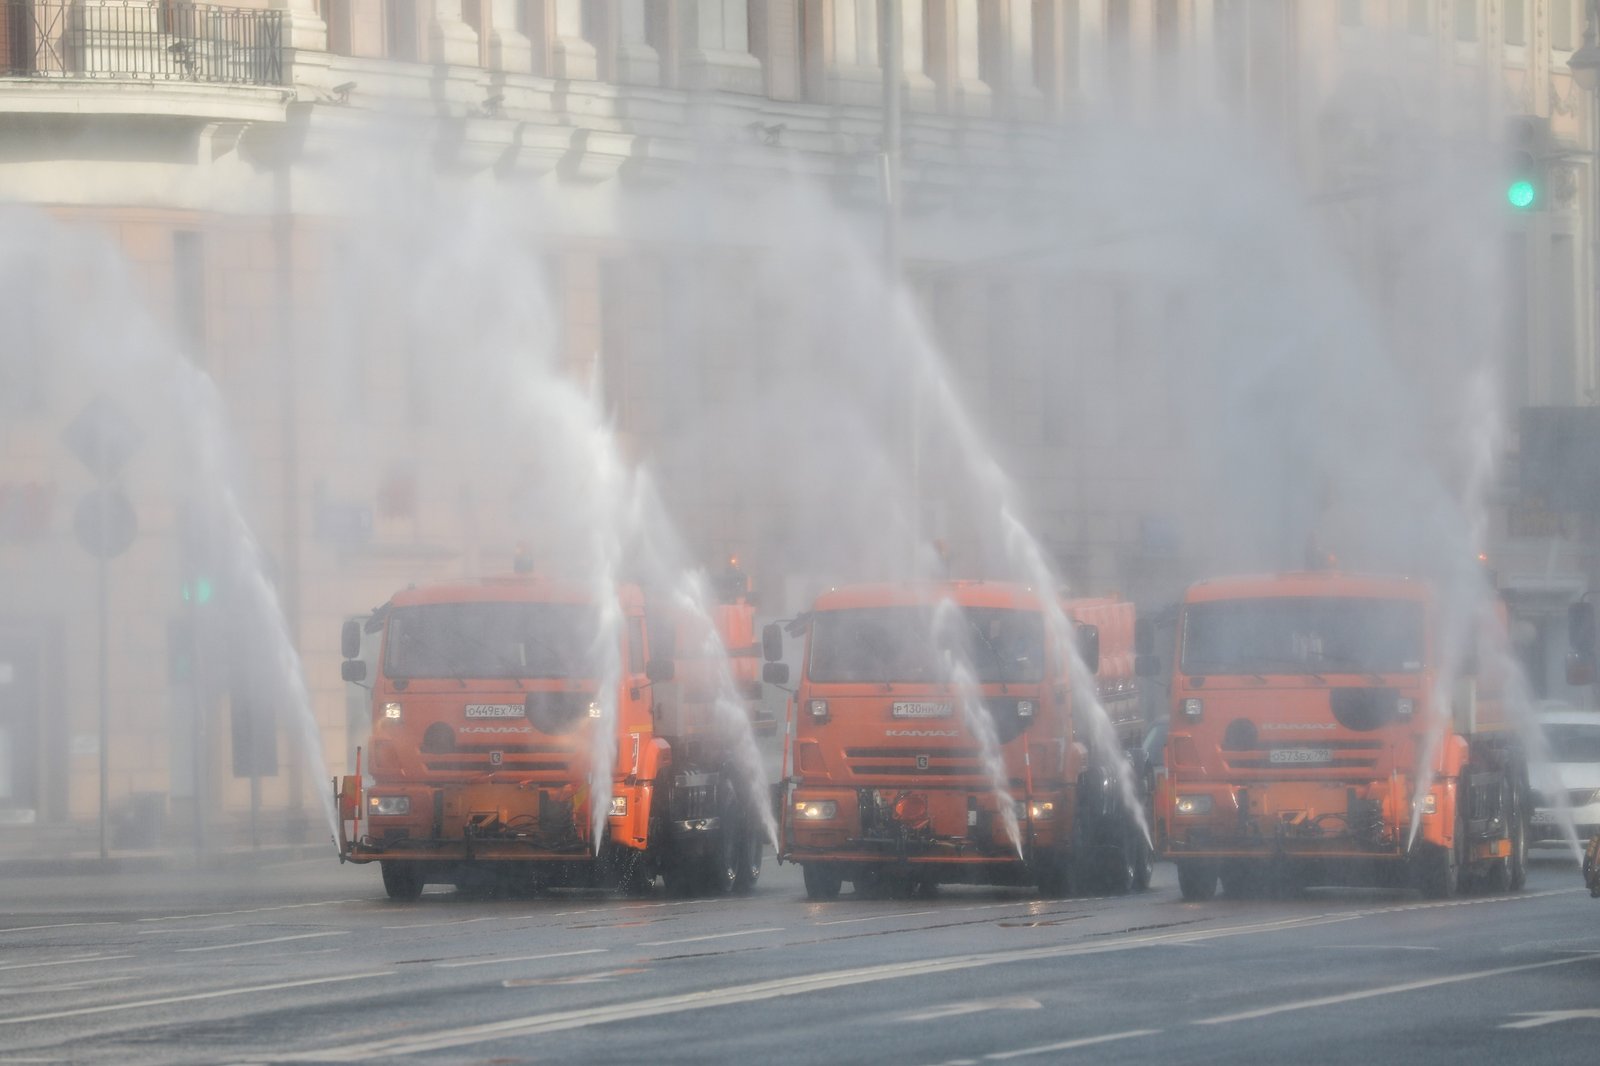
(103, 616)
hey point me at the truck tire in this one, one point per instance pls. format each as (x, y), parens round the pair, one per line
(402, 880)
(1517, 864)
(1050, 874)
(749, 860)
(1197, 879)
(1439, 871)
(822, 880)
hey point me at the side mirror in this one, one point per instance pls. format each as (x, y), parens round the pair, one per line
(1580, 669)
(1146, 665)
(772, 643)
(659, 670)
(1580, 627)
(1089, 647)
(1144, 637)
(775, 673)
(353, 670)
(350, 639)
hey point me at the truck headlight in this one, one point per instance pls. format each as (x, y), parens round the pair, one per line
(816, 810)
(594, 709)
(1024, 708)
(1430, 803)
(391, 711)
(388, 805)
(1194, 804)
(1404, 706)
(1040, 811)
(619, 806)
(818, 709)
(1191, 708)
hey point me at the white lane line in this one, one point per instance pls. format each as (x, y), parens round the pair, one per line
(35, 990)
(269, 940)
(453, 921)
(64, 962)
(248, 910)
(1068, 1045)
(633, 1010)
(971, 1006)
(1534, 1019)
(187, 932)
(875, 917)
(519, 958)
(1389, 990)
(63, 925)
(193, 997)
(709, 936)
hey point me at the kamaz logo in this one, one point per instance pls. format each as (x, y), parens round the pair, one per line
(922, 762)
(921, 733)
(496, 758)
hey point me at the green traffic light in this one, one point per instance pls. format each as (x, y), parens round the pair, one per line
(1520, 193)
(199, 590)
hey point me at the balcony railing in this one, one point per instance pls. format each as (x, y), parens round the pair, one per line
(140, 41)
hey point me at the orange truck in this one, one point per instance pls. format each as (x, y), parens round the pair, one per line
(1305, 744)
(486, 721)
(892, 781)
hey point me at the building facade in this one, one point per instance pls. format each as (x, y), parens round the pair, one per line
(182, 179)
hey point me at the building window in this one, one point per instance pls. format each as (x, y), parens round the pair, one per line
(1516, 22)
(1563, 28)
(1466, 20)
(337, 15)
(400, 30)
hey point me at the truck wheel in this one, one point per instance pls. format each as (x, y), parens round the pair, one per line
(402, 880)
(1439, 875)
(1197, 879)
(822, 881)
(1517, 864)
(1145, 864)
(719, 869)
(1050, 873)
(749, 861)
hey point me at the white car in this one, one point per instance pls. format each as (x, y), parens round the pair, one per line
(1567, 786)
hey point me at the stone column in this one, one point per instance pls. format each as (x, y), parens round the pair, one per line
(775, 42)
(968, 93)
(920, 92)
(1024, 97)
(510, 49)
(451, 42)
(637, 62)
(303, 31)
(716, 47)
(567, 54)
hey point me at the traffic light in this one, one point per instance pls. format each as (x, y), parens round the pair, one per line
(198, 590)
(1524, 187)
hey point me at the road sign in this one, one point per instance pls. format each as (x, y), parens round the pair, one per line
(103, 437)
(105, 523)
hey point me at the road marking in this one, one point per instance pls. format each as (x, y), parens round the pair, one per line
(248, 910)
(454, 921)
(1388, 990)
(709, 936)
(633, 1010)
(1068, 1045)
(603, 977)
(64, 962)
(970, 1006)
(1534, 1019)
(268, 940)
(34, 990)
(193, 997)
(520, 958)
(63, 925)
(1375, 947)
(875, 917)
(187, 932)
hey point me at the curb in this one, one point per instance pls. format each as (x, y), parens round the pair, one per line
(160, 862)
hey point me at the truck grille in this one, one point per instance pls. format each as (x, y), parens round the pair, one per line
(1347, 755)
(903, 762)
(517, 758)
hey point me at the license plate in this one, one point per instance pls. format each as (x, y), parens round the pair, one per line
(494, 710)
(922, 710)
(1301, 755)
(1544, 817)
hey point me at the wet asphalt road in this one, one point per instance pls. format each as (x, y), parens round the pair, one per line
(308, 962)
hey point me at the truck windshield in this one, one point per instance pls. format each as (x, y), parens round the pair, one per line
(488, 640)
(1346, 635)
(1570, 743)
(900, 644)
